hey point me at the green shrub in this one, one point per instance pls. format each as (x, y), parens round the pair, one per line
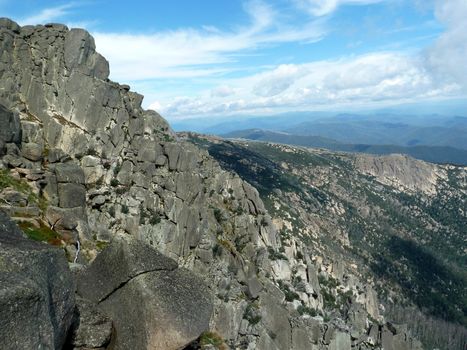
(120, 190)
(273, 255)
(252, 314)
(218, 215)
(92, 152)
(125, 209)
(155, 219)
(289, 294)
(305, 310)
(217, 250)
(117, 169)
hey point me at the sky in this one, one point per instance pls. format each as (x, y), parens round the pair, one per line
(217, 58)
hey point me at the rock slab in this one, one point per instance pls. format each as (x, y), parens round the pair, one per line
(153, 303)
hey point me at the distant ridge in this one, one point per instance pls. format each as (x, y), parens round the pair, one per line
(434, 154)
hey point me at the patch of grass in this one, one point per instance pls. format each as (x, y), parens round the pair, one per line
(41, 233)
(21, 185)
(101, 245)
(6, 180)
(213, 339)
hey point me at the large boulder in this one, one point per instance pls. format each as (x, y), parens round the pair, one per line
(91, 329)
(153, 303)
(36, 292)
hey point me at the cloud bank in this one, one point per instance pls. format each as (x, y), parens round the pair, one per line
(163, 64)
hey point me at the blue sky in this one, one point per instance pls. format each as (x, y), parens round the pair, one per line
(231, 57)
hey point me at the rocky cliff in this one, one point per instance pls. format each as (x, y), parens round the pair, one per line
(388, 232)
(150, 223)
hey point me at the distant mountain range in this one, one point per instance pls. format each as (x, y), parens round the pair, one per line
(452, 132)
(434, 154)
(374, 128)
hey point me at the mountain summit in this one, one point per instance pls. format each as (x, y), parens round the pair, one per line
(133, 237)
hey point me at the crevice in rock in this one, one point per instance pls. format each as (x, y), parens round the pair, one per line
(122, 284)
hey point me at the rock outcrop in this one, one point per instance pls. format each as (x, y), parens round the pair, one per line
(154, 304)
(11, 128)
(95, 169)
(401, 171)
(139, 179)
(37, 292)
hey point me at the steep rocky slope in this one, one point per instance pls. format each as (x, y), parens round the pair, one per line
(393, 222)
(84, 167)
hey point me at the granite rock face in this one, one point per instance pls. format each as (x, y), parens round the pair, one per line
(11, 128)
(153, 303)
(402, 171)
(36, 292)
(200, 250)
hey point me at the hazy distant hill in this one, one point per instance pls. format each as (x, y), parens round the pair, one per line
(369, 129)
(452, 133)
(434, 154)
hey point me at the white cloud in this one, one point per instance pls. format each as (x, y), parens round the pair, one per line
(187, 52)
(448, 56)
(373, 79)
(278, 80)
(222, 91)
(325, 7)
(47, 15)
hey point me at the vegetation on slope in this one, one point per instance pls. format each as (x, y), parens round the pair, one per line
(414, 244)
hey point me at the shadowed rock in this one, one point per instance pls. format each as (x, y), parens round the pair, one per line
(36, 292)
(153, 303)
(10, 130)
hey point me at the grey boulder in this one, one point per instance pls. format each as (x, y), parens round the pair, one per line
(36, 292)
(153, 303)
(92, 329)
